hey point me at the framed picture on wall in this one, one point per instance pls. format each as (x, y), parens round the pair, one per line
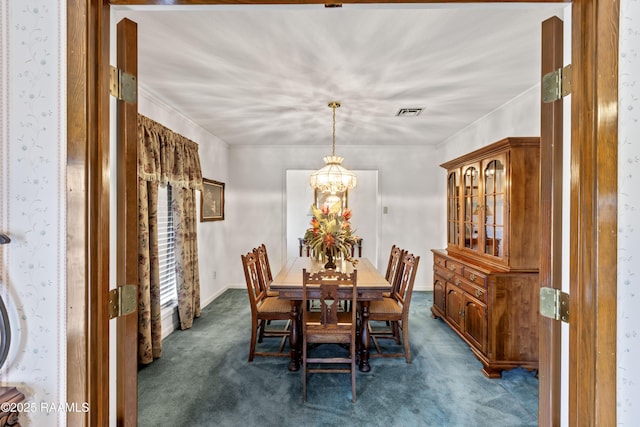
(328, 199)
(211, 200)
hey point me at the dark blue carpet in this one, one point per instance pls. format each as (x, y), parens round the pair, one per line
(204, 379)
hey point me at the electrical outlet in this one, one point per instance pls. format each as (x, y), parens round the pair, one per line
(215, 274)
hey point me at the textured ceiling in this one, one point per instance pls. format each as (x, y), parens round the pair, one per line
(264, 75)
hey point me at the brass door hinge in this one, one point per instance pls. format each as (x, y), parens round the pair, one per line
(554, 304)
(556, 84)
(123, 86)
(122, 300)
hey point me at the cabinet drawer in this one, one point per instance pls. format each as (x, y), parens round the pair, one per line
(475, 277)
(439, 261)
(473, 290)
(477, 292)
(443, 272)
(454, 267)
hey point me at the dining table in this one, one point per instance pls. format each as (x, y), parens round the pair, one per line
(371, 285)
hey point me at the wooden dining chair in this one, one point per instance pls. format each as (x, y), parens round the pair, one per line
(263, 309)
(264, 269)
(394, 267)
(329, 325)
(395, 310)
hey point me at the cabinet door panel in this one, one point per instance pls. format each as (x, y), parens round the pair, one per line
(493, 204)
(439, 295)
(453, 208)
(475, 323)
(454, 305)
(471, 205)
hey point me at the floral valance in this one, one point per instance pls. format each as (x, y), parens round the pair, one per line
(166, 156)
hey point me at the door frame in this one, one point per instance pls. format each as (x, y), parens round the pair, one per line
(593, 228)
(550, 267)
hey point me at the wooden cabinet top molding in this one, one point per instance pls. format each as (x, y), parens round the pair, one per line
(491, 149)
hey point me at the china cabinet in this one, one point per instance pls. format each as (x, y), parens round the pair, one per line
(485, 284)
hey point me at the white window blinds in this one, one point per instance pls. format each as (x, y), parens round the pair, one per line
(166, 248)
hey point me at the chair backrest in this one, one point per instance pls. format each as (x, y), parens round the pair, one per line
(252, 276)
(324, 286)
(404, 289)
(394, 267)
(264, 269)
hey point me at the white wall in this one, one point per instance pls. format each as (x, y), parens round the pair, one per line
(256, 204)
(518, 117)
(628, 208)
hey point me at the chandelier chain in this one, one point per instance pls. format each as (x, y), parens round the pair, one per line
(333, 151)
(333, 177)
(334, 105)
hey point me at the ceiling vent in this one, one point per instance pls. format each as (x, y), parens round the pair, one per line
(409, 112)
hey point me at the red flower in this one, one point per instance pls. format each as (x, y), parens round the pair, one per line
(325, 210)
(346, 214)
(329, 240)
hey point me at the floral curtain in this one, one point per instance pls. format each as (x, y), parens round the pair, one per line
(149, 318)
(169, 158)
(187, 277)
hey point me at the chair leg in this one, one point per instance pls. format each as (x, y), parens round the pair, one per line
(252, 346)
(284, 337)
(395, 331)
(304, 372)
(262, 327)
(353, 372)
(405, 340)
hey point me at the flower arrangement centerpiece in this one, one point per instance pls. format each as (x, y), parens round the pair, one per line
(330, 234)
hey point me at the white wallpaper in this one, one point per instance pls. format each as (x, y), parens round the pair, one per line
(628, 208)
(32, 203)
(32, 196)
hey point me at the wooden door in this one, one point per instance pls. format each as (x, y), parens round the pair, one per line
(549, 330)
(127, 230)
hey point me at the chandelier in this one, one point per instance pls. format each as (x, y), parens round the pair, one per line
(333, 178)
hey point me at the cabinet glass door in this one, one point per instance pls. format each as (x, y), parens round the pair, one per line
(493, 206)
(471, 203)
(453, 208)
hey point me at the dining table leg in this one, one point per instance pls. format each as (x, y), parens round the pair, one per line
(295, 336)
(364, 336)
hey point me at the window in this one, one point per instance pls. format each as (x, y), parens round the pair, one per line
(166, 249)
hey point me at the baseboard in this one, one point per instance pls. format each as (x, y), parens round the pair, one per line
(170, 320)
(209, 300)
